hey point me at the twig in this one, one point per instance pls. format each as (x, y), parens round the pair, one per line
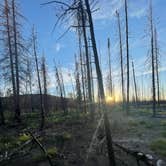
(42, 148)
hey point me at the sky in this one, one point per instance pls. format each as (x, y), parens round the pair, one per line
(62, 51)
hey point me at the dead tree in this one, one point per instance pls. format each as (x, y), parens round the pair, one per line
(82, 70)
(34, 38)
(44, 74)
(2, 118)
(157, 65)
(152, 59)
(110, 67)
(78, 86)
(128, 61)
(15, 49)
(101, 87)
(9, 55)
(29, 77)
(83, 19)
(121, 58)
(17, 111)
(135, 84)
(61, 89)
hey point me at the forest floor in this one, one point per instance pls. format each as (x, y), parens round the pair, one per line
(67, 139)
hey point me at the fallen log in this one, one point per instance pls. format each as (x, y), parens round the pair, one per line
(42, 148)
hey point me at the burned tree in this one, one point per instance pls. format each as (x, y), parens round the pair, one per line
(152, 59)
(156, 50)
(34, 42)
(78, 85)
(110, 68)
(101, 87)
(135, 84)
(61, 90)
(15, 49)
(128, 61)
(83, 26)
(2, 118)
(121, 58)
(45, 83)
(29, 80)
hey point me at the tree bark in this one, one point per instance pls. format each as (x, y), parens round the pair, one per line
(17, 111)
(135, 84)
(121, 59)
(128, 63)
(110, 67)
(39, 83)
(157, 65)
(2, 121)
(10, 52)
(87, 59)
(153, 61)
(101, 87)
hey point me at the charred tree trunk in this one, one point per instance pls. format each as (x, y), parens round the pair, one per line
(9, 42)
(61, 91)
(29, 72)
(83, 16)
(157, 65)
(78, 87)
(45, 101)
(128, 63)
(82, 73)
(101, 87)
(135, 84)
(121, 59)
(152, 60)
(110, 68)
(39, 83)
(2, 118)
(17, 111)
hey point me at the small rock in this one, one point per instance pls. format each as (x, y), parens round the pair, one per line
(160, 163)
(149, 157)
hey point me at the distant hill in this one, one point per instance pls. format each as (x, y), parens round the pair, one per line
(54, 102)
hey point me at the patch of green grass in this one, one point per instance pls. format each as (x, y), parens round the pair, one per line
(159, 146)
(24, 137)
(163, 123)
(52, 152)
(8, 142)
(67, 136)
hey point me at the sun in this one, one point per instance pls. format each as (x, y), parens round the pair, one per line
(109, 99)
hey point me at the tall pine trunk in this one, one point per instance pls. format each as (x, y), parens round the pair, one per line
(152, 60)
(110, 67)
(121, 59)
(101, 87)
(17, 111)
(9, 42)
(87, 59)
(135, 84)
(39, 83)
(157, 65)
(2, 118)
(128, 62)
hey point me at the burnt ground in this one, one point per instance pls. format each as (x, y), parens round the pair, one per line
(67, 139)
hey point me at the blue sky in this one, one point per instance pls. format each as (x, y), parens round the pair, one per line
(105, 22)
(105, 26)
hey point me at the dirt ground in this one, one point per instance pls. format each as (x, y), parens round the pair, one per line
(68, 140)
